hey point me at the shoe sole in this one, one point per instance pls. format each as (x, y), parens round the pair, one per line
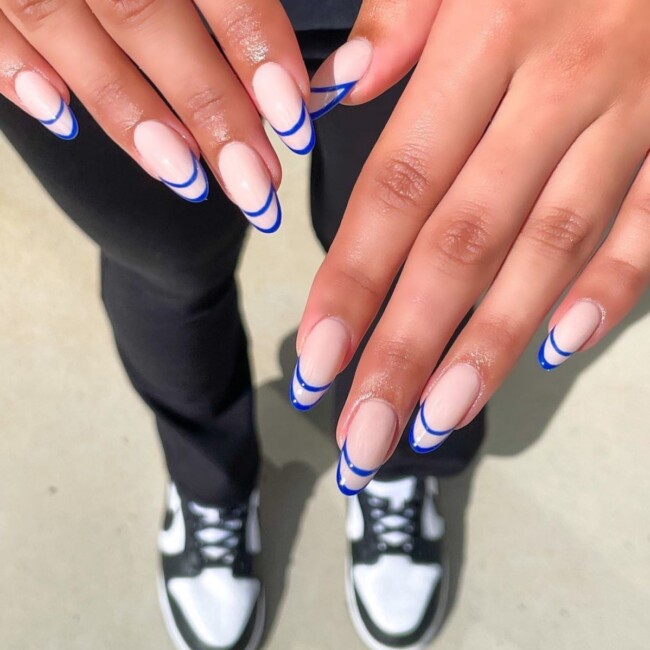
(177, 637)
(370, 640)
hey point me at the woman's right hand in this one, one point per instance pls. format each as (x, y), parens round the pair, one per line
(102, 50)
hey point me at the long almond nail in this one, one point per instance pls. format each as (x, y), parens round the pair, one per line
(573, 330)
(369, 438)
(320, 361)
(281, 103)
(444, 408)
(169, 157)
(338, 75)
(43, 101)
(247, 180)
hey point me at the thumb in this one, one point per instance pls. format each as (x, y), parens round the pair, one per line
(384, 44)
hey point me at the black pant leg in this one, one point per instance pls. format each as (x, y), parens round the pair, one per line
(345, 138)
(169, 290)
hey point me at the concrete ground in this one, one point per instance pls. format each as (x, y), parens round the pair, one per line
(553, 527)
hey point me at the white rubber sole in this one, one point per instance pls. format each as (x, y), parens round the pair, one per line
(361, 629)
(177, 638)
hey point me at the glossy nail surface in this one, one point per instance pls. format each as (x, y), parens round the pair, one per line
(43, 101)
(370, 435)
(167, 154)
(281, 103)
(573, 330)
(247, 180)
(320, 360)
(337, 76)
(444, 408)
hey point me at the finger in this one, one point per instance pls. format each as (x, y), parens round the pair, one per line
(384, 44)
(613, 281)
(555, 243)
(31, 83)
(110, 87)
(201, 87)
(436, 125)
(456, 255)
(261, 45)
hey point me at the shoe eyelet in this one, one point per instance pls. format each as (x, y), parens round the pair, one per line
(408, 547)
(382, 546)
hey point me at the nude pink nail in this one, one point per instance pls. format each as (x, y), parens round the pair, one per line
(320, 361)
(249, 185)
(572, 331)
(44, 102)
(370, 435)
(166, 153)
(445, 407)
(338, 75)
(281, 103)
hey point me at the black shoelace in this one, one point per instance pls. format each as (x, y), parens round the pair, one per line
(394, 528)
(217, 532)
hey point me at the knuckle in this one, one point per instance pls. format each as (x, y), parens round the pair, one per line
(354, 277)
(129, 12)
(499, 335)
(205, 109)
(31, 13)
(402, 180)
(626, 276)
(558, 232)
(241, 22)
(465, 240)
(400, 354)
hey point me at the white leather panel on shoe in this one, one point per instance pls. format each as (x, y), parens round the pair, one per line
(216, 605)
(396, 592)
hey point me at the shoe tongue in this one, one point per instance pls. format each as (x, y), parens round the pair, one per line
(397, 492)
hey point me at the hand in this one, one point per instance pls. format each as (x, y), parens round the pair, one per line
(521, 138)
(95, 46)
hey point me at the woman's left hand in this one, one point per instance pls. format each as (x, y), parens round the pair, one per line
(521, 136)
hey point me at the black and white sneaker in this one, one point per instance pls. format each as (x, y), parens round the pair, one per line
(396, 577)
(210, 596)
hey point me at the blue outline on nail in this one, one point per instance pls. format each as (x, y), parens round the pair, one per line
(267, 204)
(363, 473)
(60, 111)
(196, 168)
(345, 89)
(308, 387)
(417, 448)
(294, 129)
(541, 357)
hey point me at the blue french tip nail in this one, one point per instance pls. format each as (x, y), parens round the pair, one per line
(74, 130)
(354, 469)
(342, 91)
(297, 376)
(541, 356)
(272, 201)
(197, 170)
(304, 116)
(413, 443)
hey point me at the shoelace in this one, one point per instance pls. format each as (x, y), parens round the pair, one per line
(217, 531)
(394, 527)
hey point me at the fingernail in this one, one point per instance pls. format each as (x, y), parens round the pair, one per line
(168, 156)
(369, 438)
(247, 180)
(573, 330)
(43, 101)
(445, 406)
(337, 76)
(320, 360)
(281, 103)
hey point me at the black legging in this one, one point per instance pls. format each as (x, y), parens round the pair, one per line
(169, 290)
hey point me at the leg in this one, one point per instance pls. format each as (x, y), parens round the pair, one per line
(169, 290)
(345, 137)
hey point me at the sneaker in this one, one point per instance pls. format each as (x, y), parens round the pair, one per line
(396, 578)
(208, 591)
